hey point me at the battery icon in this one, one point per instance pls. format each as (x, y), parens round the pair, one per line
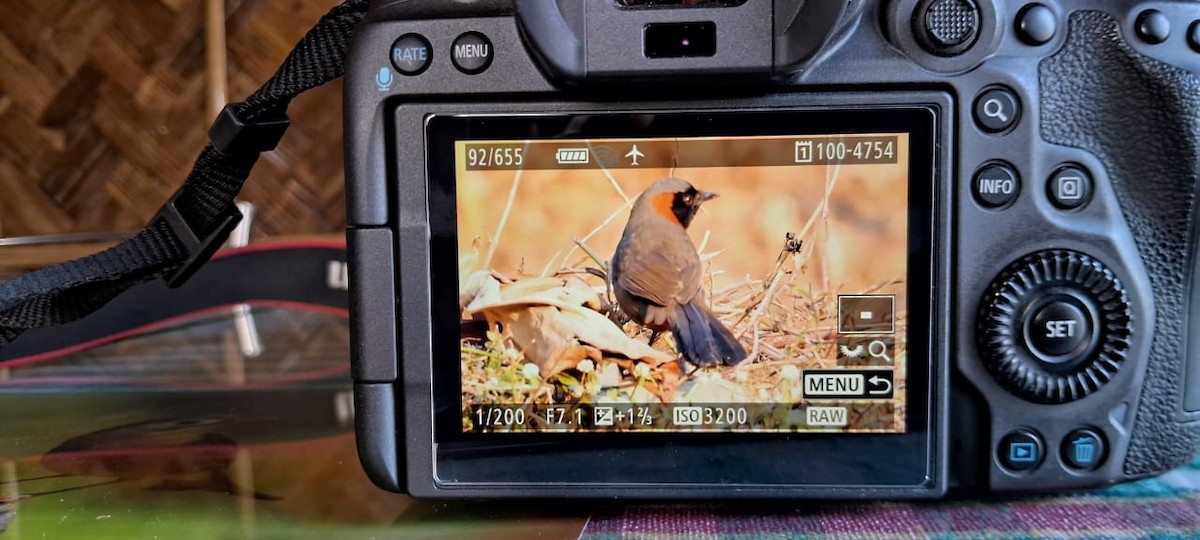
(572, 156)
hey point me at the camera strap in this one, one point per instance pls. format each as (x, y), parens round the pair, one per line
(197, 220)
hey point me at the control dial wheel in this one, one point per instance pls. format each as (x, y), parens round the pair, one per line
(1054, 326)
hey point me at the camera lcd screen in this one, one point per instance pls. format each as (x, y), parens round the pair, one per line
(684, 284)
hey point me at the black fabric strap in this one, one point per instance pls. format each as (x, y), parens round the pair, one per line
(198, 219)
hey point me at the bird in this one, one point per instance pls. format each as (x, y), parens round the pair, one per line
(656, 274)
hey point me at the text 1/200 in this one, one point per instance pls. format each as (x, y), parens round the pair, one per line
(490, 417)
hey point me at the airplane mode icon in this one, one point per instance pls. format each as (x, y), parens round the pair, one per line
(635, 154)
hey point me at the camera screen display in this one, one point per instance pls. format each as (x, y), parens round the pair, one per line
(684, 284)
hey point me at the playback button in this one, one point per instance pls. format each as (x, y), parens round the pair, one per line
(1021, 450)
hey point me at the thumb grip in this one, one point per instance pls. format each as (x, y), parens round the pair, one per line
(1141, 118)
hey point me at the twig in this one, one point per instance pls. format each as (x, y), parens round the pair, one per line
(830, 181)
(674, 159)
(550, 263)
(759, 299)
(481, 352)
(603, 265)
(704, 241)
(512, 195)
(879, 286)
(760, 310)
(601, 227)
(609, 175)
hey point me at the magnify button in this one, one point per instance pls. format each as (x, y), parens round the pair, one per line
(997, 109)
(879, 349)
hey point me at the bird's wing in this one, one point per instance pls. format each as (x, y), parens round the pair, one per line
(663, 276)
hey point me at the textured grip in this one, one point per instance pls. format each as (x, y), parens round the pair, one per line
(1140, 117)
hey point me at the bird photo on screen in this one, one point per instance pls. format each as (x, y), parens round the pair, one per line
(656, 274)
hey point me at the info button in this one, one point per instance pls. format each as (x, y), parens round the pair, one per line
(996, 185)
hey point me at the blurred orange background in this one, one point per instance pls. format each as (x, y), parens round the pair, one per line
(860, 243)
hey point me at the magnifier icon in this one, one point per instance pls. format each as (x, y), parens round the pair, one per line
(992, 108)
(879, 349)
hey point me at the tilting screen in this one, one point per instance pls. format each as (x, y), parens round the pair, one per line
(745, 284)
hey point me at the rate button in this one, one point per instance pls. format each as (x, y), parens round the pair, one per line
(410, 54)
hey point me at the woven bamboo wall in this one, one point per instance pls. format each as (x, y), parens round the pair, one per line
(103, 107)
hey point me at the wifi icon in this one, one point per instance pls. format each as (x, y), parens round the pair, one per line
(604, 155)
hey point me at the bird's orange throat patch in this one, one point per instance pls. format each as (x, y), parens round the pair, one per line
(664, 204)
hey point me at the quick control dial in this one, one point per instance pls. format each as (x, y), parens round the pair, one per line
(1054, 326)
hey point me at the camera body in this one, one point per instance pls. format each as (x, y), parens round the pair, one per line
(1035, 164)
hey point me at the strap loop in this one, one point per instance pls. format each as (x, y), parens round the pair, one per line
(198, 250)
(197, 220)
(231, 135)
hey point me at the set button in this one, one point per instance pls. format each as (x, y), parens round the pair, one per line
(1060, 330)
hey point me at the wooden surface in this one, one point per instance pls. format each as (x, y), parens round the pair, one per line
(103, 108)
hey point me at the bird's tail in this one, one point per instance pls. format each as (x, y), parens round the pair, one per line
(702, 339)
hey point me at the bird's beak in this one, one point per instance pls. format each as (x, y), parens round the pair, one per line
(706, 196)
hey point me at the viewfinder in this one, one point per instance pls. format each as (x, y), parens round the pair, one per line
(680, 40)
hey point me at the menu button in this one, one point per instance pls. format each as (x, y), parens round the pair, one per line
(472, 53)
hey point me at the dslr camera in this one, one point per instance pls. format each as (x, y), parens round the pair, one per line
(698, 249)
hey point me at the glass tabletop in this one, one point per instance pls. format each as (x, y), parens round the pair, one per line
(237, 421)
(176, 433)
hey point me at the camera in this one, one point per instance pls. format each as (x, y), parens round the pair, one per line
(702, 249)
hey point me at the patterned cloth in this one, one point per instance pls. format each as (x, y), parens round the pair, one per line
(1166, 507)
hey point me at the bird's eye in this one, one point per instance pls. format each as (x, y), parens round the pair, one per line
(687, 199)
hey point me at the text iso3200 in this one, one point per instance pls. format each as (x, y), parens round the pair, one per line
(709, 416)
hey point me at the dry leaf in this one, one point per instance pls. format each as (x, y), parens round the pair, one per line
(548, 321)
